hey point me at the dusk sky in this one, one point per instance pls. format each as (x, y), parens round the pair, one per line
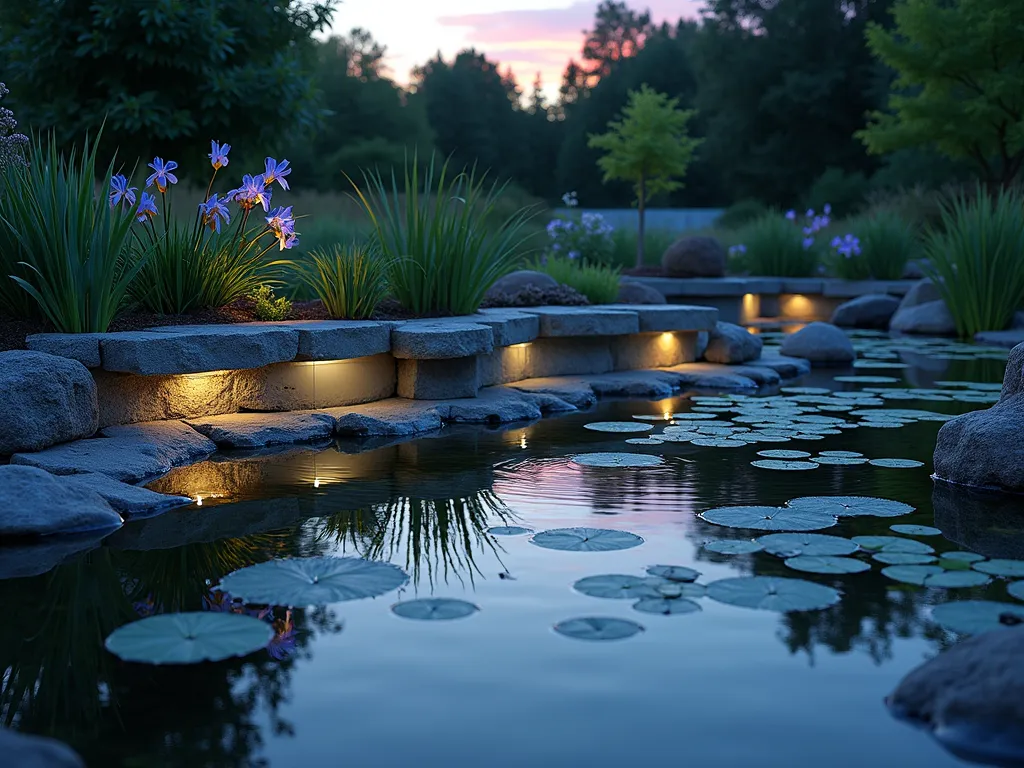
(529, 35)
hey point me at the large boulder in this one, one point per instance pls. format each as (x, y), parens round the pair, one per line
(872, 310)
(34, 502)
(46, 400)
(922, 310)
(821, 344)
(971, 697)
(986, 448)
(632, 292)
(523, 279)
(24, 751)
(730, 344)
(694, 257)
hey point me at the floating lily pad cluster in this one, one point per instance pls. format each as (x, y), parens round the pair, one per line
(808, 513)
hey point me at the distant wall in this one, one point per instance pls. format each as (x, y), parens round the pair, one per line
(675, 219)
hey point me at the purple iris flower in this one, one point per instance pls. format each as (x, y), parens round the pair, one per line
(214, 212)
(279, 218)
(808, 242)
(162, 175)
(283, 644)
(147, 207)
(120, 192)
(253, 192)
(290, 241)
(276, 171)
(810, 213)
(828, 209)
(791, 215)
(218, 154)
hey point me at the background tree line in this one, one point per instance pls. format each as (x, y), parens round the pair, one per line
(780, 88)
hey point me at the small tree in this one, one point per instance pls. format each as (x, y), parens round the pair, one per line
(959, 83)
(649, 147)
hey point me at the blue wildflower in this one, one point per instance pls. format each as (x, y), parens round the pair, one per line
(214, 212)
(218, 154)
(162, 175)
(276, 171)
(828, 209)
(290, 241)
(147, 207)
(120, 192)
(808, 242)
(253, 192)
(791, 215)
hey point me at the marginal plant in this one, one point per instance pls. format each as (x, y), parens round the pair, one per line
(211, 262)
(350, 280)
(774, 245)
(975, 260)
(61, 245)
(885, 242)
(432, 228)
(598, 282)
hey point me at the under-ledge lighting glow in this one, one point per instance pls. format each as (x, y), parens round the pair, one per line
(524, 345)
(522, 441)
(797, 305)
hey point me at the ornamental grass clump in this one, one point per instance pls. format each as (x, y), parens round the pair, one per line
(780, 246)
(977, 259)
(885, 243)
(598, 282)
(350, 280)
(221, 256)
(63, 247)
(442, 252)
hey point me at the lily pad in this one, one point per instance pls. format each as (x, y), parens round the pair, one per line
(773, 593)
(598, 628)
(618, 426)
(667, 606)
(617, 587)
(674, 572)
(842, 454)
(645, 441)
(189, 638)
(785, 466)
(1016, 590)
(617, 460)
(1013, 569)
(313, 580)
(851, 506)
(434, 609)
(893, 544)
(586, 539)
(915, 530)
(769, 518)
(712, 442)
(866, 379)
(904, 558)
(796, 544)
(508, 530)
(693, 416)
(896, 463)
(972, 617)
(827, 564)
(963, 557)
(732, 547)
(839, 461)
(783, 454)
(935, 576)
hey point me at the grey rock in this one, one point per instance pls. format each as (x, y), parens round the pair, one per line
(254, 430)
(496, 405)
(198, 349)
(422, 340)
(729, 343)
(761, 375)
(694, 257)
(786, 367)
(83, 347)
(45, 400)
(122, 459)
(129, 500)
(175, 440)
(694, 376)
(671, 317)
(703, 339)
(341, 339)
(34, 502)
(922, 292)
(574, 390)
(985, 448)
(38, 556)
(438, 379)
(520, 280)
(508, 326)
(394, 416)
(1009, 338)
(819, 343)
(650, 384)
(914, 270)
(971, 697)
(932, 318)
(24, 751)
(585, 321)
(872, 310)
(632, 292)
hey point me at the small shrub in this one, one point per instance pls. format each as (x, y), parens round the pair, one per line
(441, 246)
(887, 242)
(656, 242)
(270, 308)
(775, 245)
(741, 213)
(598, 282)
(350, 280)
(65, 248)
(976, 261)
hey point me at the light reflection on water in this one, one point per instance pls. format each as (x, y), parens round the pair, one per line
(723, 687)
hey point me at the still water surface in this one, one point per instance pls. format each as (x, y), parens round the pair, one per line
(352, 683)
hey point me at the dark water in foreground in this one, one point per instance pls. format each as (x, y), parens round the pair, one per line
(353, 684)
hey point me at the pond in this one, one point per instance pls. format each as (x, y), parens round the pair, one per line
(510, 679)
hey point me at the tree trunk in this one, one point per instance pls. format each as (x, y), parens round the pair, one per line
(640, 225)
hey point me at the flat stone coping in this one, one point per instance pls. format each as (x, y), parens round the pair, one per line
(187, 349)
(739, 286)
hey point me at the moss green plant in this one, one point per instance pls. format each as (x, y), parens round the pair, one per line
(270, 308)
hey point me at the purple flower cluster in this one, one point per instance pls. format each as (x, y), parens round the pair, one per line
(847, 246)
(12, 144)
(813, 223)
(586, 235)
(737, 249)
